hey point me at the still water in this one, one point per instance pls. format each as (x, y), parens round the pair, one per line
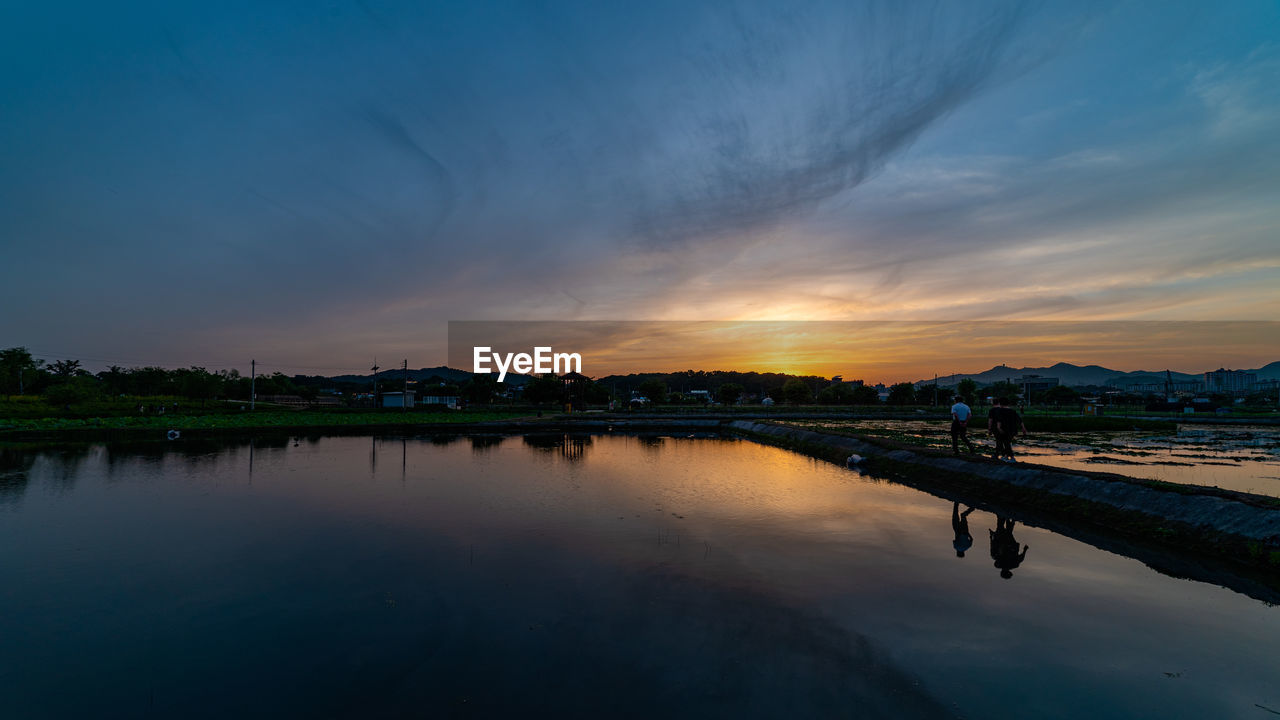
(604, 576)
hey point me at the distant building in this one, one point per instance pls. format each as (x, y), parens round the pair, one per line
(704, 395)
(397, 399)
(289, 400)
(1232, 382)
(449, 401)
(882, 392)
(1160, 388)
(1033, 385)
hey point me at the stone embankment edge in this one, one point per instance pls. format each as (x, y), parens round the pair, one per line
(1246, 529)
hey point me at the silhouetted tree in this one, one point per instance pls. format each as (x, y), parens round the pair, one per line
(729, 393)
(796, 391)
(545, 389)
(480, 389)
(65, 369)
(655, 390)
(902, 394)
(18, 371)
(838, 394)
(1059, 395)
(1004, 389)
(865, 395)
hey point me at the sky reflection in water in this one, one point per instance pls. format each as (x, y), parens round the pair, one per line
(612, 575)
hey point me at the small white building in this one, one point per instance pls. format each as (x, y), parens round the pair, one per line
(397, 399)
(449, 401)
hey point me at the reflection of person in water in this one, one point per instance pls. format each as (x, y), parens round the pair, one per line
(960, 524)
(1004, 547)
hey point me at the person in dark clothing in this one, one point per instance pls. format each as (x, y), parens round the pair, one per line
(960, 526)
(1004, 547)
(1004, 423)
(1011, 425)
(994, 415)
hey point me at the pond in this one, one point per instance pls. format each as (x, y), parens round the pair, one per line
(580, 576)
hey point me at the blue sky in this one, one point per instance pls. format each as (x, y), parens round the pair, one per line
(313, 183)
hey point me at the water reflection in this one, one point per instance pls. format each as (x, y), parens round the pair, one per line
(960, 526)
(569, 446)
(488, 585)
(481, 444)
(1004, 547)
(15, 466)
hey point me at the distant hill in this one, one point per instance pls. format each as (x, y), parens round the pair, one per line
(1270, 371)
(1066, 373)
(443, 372)
(1069, 374)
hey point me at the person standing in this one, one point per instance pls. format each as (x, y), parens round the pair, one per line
(994, 416)
(1012, 425)
(1004, 423)
(960, 414)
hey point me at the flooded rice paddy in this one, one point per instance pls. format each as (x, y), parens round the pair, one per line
(1234, 457)
(578, 576)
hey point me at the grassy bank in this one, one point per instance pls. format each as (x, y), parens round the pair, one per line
(248, 420)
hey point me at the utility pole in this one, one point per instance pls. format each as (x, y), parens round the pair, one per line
(253, 383)
(375, 382)
(404, 400)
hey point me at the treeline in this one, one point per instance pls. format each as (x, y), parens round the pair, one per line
(724, 386)
(66, 381)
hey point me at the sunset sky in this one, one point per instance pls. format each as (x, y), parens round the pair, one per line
(315, 183)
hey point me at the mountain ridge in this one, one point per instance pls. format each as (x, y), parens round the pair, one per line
(1070, 374)
(1066, 373)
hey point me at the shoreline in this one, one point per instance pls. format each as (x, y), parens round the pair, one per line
(1187, 528)
(141, 428)
(1193, 521)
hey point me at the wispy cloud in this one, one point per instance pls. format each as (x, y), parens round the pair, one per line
(219, 178)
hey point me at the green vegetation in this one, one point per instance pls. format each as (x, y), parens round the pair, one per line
(903, 394)
(654, 390)
(66, 386)
(796, 391)
(729, 393)
(245, 420)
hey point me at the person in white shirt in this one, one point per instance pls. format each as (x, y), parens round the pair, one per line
(960, 414)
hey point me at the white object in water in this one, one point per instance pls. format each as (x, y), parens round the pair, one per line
(173, 435)
(854, 459)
